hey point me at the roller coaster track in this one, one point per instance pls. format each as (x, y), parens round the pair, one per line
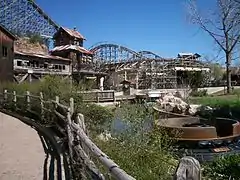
(23, 16)
(114, 53)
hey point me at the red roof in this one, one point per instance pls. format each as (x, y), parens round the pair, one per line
(73, 33)
(42, 56)
(71, 47)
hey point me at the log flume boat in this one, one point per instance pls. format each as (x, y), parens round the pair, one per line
(202, 138)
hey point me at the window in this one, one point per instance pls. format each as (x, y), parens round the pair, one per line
(63, 67)
(4, 51)
(19, 63)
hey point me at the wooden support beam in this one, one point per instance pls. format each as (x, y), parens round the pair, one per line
(23, 78)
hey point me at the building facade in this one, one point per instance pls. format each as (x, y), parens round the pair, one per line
(69, 44)
(31, 67)
(6, 54)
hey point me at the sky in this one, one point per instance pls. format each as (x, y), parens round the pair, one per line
(160, 26)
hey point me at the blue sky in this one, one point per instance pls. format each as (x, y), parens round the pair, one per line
(160, 26)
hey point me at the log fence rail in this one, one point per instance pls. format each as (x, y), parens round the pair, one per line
(70, 132)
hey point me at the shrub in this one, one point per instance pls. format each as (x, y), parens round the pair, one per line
(223, 168)
(199, 93)
(140, 151)
(97, 118)
(144, 156)
(35, 38)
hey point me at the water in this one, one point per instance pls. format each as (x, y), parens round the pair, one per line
(119, 126)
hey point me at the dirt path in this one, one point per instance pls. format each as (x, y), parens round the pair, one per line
(21, 152)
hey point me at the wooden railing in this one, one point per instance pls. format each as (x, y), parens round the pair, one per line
(98, 96)
(71, 129)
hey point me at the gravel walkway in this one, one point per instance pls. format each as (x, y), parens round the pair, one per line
(21, 152)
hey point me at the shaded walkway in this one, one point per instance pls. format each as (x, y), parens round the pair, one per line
(21, 152)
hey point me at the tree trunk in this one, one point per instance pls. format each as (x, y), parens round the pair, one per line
(228, 72)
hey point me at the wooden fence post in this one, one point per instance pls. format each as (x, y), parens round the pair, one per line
(14, 99)
(28, 99)
(71, 106)
(97, 97)
(57, 101)
(188, 168)
(5, 95)
(114, 97)
(81, 122)
(42, 105)
(69, 132)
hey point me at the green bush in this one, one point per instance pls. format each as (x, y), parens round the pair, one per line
(145, 157)
(199, 93)
(35, 38)
(223, 168)
(97, 118)
(141, 152)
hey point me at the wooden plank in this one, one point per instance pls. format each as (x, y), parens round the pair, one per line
(28, 99)
(14, 99)
(71, 106)
(5, 95)
(113, 168)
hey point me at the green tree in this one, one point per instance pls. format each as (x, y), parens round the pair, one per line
(222, 24)
(217, 72)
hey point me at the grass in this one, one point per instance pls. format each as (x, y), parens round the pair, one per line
(231, 100)
(235, 91)
(218, 99)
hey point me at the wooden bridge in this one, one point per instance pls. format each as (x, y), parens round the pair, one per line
(65, 141)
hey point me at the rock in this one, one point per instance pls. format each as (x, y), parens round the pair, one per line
(105, 136)
(174, 104)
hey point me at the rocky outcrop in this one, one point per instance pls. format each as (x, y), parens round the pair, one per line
(25, 46)
(174, 104)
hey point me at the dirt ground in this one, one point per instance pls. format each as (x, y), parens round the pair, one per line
(21, 152)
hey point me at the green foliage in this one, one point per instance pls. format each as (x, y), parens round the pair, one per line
(141, 152)
(97, 118)
(223, 168)
(199, 93)
(143, 157)
(217, 72)
(194, 79)
(217, 101)
(34, 38)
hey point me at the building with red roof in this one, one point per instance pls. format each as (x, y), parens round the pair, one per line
(69, 44)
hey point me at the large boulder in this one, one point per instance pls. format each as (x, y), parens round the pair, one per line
(174, 104)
